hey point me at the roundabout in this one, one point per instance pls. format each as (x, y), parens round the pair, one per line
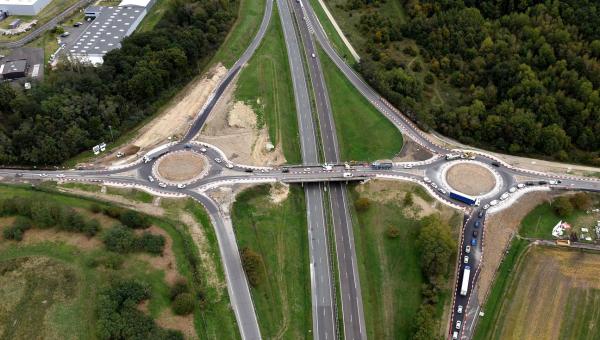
(470, 178)
(180, 167)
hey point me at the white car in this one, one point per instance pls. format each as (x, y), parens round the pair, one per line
(43, 175)
(313, 55)
(347, 174)
(468, 249)
(520, 185)
(408, 166)
(180, 186)
(162, 185)
(60, 176)
(229, 166)
(455, 336)
(151, 179)
(459, 310)
(504, 196)
(486, 207)
(218, 160)
(306, 169)
(327, 167)
(511, 190)
(120, 154)
(435, 186)
(426, 180)
(442, 191)
(494, 202)
(553, 182)
(203, 149)
(458, 324)
(466, 259)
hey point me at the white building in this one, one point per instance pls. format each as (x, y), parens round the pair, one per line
(23, 7)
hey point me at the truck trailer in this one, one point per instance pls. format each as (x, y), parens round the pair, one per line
(463, 198)
(382, 164)
(464, 288)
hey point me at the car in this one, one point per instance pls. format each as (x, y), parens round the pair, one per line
(218, 160)
(475, 233)
(553, 182)
(486, 207)
(511, 190)
(466, 259)
(434, 185)
(147, 159)
(180, 186)
(187, 146)
(426, 180)
(151, 179)
(229, 166)
(494, 202)
(477, 224)
(347, 174)
(18, 174)
(455, 336)
(306, 169)
(162, 185)
(442, 191)
(504, 196)
(313, 55)
(520, 185)
(60, 176)
(43, 175)
(65, 34)
(408, 166)
(480, 215)
(285, 170)
(468, 249)
(474, 242)
(529, 184)
(327, 167)
(203, 149)
(120, 154)
(249, 170)
(458, 324)
(459, 310)
(496, 164)
(542, 182)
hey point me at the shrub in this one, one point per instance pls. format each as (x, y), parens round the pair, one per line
(91, 228)
(114, 212)
(179, 287)
(417, 66)
(410, 50)
(18, 228)
(362, 204)
(119, 239)
(429, 79)
(392, 232)
(150, 243)
(252, 263)
(134, 220)
(581, 201)
(562, 206)
(408, 199)
(95, 208)
(183, 304)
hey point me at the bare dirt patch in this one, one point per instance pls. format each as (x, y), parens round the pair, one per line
(232, 127)
(470, 179)
(185, 323)
(499, 229)
(412, 152)
(279, 192)
(181, 166)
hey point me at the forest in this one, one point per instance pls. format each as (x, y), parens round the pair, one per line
(527, 71)
(78, 106)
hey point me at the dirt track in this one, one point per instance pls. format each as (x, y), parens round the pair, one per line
(470, 179)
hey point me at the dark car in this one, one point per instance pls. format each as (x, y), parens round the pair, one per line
(475, 233)
(477, 224)
(18, 174)
(473, 242)
(542, 182)
(480, 215)
(529, 183)
(249, 170)
(496, 164)
(285, 170)
(187, 146)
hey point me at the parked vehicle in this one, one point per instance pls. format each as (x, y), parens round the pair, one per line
(180, 186)
(468, 249)
(480, 215)
(464, 288)
(452, 156)
(459, 310)
(496, 164)
(151, 179)
(466, 259)
(463, 198)
(477, 224)
(382, 164)
(475, 233)
(347, 174)
(474, 242)
(458, 324)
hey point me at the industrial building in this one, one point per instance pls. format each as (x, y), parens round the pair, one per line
(23, 7)
(109, 26)
(13, 69)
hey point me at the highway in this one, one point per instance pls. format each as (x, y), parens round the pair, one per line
(349, 281)
(322, 295)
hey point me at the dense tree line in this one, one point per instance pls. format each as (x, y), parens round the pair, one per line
(43, 214)
(528, 71)
(123, 240)
(119, 317)
(78, 106)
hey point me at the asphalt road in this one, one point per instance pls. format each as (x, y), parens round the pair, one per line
(349, 282)
(323, 302)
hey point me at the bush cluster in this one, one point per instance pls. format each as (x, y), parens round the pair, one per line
(253, 266)
(44, 214)
(123, 240)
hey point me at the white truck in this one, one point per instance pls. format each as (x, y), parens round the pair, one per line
(465, 281)
(452, 156)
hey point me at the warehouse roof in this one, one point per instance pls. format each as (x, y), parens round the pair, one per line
(141, 3)
(13, 66)
(107, 30)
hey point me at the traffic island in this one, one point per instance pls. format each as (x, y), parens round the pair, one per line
(470, 178)
(180, 167)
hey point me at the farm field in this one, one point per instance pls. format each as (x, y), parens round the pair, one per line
(389, 268)
(53, 281)
(552, 294)
(277, 233)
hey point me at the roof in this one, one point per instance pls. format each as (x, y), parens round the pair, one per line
(141, 3)
(106, 31)
(91, 9)
(14, 66)
(17, 2)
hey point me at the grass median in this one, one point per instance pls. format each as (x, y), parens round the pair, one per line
(277, 233)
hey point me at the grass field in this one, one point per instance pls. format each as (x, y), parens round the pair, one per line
(390, 272)
(250, 15)
(278, 233)
(155, 14)
(363, 132)
(266, 85)
(540, 221)
(553, 294)
(59, 301)
(332, 34)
